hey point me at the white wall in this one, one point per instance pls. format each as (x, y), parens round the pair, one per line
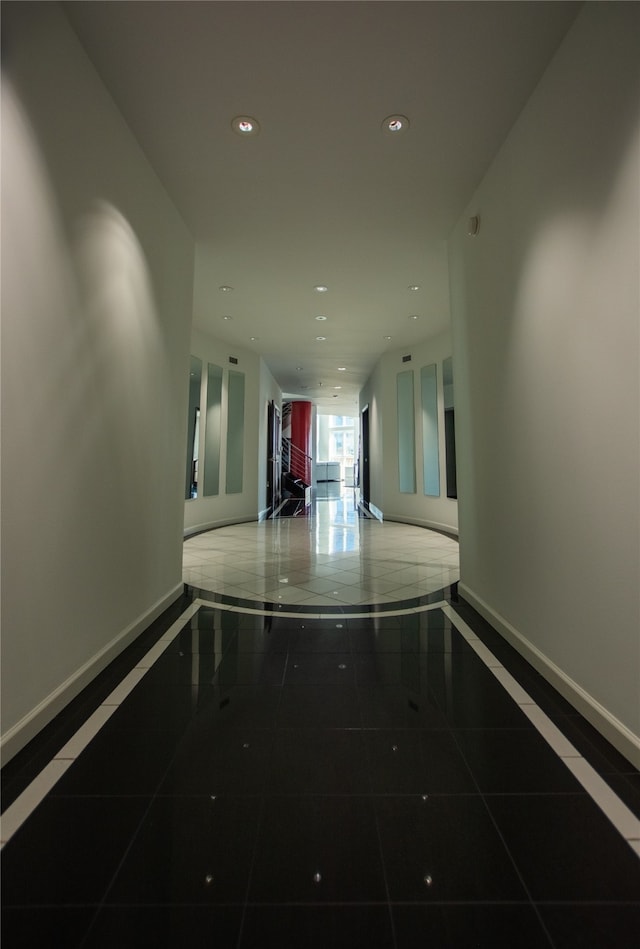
(207, 512)
(440, 513)
(545, 315)
(97, 272)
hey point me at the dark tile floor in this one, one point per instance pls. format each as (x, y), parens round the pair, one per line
(291, 782)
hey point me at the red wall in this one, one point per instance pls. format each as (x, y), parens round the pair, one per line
(301, 426)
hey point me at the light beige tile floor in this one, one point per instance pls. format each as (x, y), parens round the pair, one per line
(333, 557)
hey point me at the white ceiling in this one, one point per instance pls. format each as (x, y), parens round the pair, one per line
(321, 195)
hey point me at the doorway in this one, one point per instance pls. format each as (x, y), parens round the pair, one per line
(364, 451)
(273, 458)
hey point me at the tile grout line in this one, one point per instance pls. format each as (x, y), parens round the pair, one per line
(617, 812)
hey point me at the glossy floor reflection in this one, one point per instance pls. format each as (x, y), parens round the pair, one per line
(332, 557)
(288, 781)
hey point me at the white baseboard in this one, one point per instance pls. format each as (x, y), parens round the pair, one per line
(611, 728)
(220, 522)
(423, 522)
(20, 734)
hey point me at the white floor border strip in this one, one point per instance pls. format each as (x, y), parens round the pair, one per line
(24, 805)
(622, 818)
(625, 822)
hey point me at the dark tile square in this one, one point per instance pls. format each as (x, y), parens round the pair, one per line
(301, 837)
(316, 637)
(313, 668)
(432, 619)
(220, 761)
(121, 762)
(318, 761)
(561, 843)
(575, 926)
(469, 694)
(504, 760)
(379, 642)
(402, 669)
(462, 925)
(195, 641)
(236, 706)
(445, 640)
(190, 850)
(45, 927)
(398, 707)
(183, 669)
(165, 927)
(68, 850)
(316, 706)
(444, 848)
(261, 639)
(413, 761)
(156, 704)
(258, 668)
(317, 927)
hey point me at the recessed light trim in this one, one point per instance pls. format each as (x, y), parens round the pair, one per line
(320, 288)
(321, 339)
(321, 318)
(395, 124)
(245, 125)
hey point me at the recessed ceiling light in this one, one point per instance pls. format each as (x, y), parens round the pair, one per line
(227, 317)
(342, 368)
(320, 289)
(245, 125)
(387, 338)
(299, 368)
(414, 286)
(337, 387)
(414, 316)
(225, 289)
(254, 338)
(321, 318)
(321, 339)
(395, 124)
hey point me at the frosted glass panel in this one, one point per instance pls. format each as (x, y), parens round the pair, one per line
(212, 431)
(235, 432)
(449, 428)
(193, 428)
(406, 433)
(430, 450)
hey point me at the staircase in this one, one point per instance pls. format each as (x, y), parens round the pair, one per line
(296, 468)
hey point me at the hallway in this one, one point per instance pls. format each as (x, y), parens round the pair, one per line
(299, 773)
